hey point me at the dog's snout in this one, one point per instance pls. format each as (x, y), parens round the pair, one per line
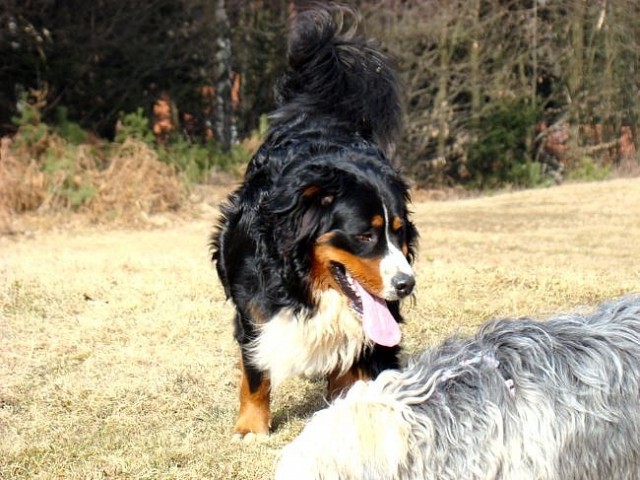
(403, 284)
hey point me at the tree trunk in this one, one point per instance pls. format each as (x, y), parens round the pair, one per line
(474, 66)
(441, 104)
(575, 76)
(223, 121)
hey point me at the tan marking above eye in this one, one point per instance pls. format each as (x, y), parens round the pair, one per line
(326, 238)
(326, 199)
(311, 191)
(377, 221)
(397, 224)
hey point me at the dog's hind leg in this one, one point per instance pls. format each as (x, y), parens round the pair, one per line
(254, 416)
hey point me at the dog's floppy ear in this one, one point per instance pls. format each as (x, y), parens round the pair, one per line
(412, 238)
(300, 205)
(302, 188)
(299, 211)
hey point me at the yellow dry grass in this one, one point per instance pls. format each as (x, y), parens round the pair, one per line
(117, 358)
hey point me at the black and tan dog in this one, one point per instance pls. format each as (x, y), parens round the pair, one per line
(315, 247)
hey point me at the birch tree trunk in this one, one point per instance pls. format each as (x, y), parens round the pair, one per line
(223, 121)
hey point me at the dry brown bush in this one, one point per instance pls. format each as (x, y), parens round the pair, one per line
(22, 183)
(126, 187)
(135, 184)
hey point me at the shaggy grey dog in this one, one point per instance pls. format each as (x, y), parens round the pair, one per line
(522, 399)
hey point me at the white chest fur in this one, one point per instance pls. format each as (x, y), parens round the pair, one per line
(311, 343)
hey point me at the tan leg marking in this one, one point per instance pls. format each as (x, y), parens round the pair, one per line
(255, 412)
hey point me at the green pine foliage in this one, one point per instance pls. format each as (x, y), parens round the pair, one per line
(29, 124)
(501, 155)
(134, 125)
(72, 132)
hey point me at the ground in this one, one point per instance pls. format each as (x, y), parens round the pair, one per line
(117, 356)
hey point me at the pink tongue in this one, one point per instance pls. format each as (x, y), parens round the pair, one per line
(377, 321)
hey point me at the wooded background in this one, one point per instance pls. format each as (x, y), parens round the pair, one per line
(497, 91)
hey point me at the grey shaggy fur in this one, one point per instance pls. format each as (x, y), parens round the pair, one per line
(522, 399)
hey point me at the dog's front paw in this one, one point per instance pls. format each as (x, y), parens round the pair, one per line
(253, 425)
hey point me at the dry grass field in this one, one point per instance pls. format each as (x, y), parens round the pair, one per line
(116, 350)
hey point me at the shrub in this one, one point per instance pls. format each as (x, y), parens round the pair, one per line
(587, 169)
(134, 125)
(193, 159)
(43, 168)
(66, 166)
(50, 162)
(32, 132)
(197, 160)
(68, 130)
(501, 154)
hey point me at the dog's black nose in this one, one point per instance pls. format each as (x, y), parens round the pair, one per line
(403, 284)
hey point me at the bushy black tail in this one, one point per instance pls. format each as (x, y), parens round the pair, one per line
(334, 70)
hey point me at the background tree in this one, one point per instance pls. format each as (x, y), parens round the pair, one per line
(221, 68)
(101, 58)
(467, 64)
(110, 56)
(557, 80)
(258, 35)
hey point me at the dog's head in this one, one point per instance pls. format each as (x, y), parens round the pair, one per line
(342, 223)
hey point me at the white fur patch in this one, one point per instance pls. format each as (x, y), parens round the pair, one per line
(311, 344)
(361, 436)
(392, 263)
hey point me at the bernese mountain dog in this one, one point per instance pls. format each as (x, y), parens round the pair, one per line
(315, 247)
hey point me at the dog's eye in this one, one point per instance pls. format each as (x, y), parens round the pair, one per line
(365, 237)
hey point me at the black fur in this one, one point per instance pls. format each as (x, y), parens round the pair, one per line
(322, 167)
